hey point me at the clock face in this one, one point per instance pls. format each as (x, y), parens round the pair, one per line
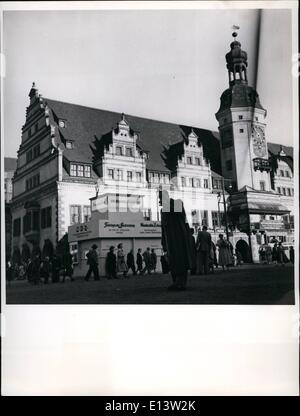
(259, 142)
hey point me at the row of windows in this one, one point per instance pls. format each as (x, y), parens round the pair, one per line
(79, 213)
(194, 182)
(80, 170)
(285, 191)
(117, 174)
(193, 161)
(33, 220)
(162, 178)
(33, 182)
(33, 153)
(128, 151)
(284, 173)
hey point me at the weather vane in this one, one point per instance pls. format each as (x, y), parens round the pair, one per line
(235, 28)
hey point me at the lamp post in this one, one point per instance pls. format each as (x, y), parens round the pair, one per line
(223, 180)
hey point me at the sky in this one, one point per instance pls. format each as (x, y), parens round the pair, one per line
(162, 64)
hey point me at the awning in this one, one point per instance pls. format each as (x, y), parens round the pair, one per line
(267, 208)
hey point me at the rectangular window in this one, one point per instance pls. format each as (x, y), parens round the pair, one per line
(86, 213)
(17, 227)
(36, 151)
(283, 191)
(110, 173)
(80, 170)
(35, 220)
(215, 219)
(287, 173)
(147, 214)
(27, 222)
(191, 182)
(138, 176)
(197, 161)
(241, 117)
(278, 190)
(197, 183)
(69, 144)
(129, 176)
(156, 178)
(119, 175)
(119, 151)
(73, 170)
(189, 160)
(74, 214)
(262, 185)
(29, 156)
(281, 173)
(183, 182)
(46, 217)
(205, 183)
(289, 192)
(87, 171)
(241, 130)
(229, 164)
(204, 216)
(129, 151)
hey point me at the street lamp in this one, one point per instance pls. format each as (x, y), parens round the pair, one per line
(223, 180)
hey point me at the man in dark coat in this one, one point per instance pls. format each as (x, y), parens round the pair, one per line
(176, 240)
(55, 269)
(130, 262)
(203, 246)
(147, 260)
(153, 260)
(111, 264)
(36, 269)
(92, 261)
(139, 261)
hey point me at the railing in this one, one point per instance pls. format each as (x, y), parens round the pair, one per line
(261, 164)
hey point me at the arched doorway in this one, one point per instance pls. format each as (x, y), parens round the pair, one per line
(243, 247)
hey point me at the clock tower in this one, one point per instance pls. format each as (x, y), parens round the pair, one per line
(242, 125)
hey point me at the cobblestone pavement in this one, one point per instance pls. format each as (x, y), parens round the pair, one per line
(248, 284)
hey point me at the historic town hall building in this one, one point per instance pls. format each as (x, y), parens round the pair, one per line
(70, 153)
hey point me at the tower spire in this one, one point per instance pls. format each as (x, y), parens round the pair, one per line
(236, 61)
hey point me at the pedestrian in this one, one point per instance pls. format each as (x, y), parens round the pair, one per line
(203, 246)
(147, 261)
(45, 269)
(55, 269)
(121, 264)
(175, 239)
(92, 262)
(22, 271)
(214, 254)
(238, 257)
(153, 260)
(193, 251)
(130, 262)
(9, 272)
(268, 254)
(139, 261)
(67, 266)
(274, 253)
(280, 254)
(292, 254)
(111, 264)
(36, 263)
(164, 263)
(29, 269)
(262, 254)
(224, 253)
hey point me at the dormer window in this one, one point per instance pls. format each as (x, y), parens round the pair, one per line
(129, 151)
(80, 170)
(119, 151)
(189, 160)
(197, 161)
(62, 123)
(69, 144)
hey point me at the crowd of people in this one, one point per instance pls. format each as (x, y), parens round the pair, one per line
(36, 269)
(118, 264)
(275, 254)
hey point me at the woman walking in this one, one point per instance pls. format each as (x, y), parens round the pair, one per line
(225, 258)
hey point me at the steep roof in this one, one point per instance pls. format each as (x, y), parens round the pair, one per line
(274, 150)
(84, 124)
(10, 164)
